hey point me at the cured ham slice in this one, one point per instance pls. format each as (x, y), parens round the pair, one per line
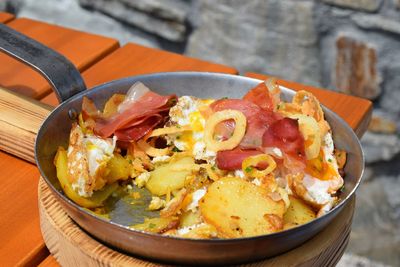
(259, 95)
(149, 105)
(135, 132)
(232, 159)
(265, 129)
(285, 135)
(266, 95)
(258, 120)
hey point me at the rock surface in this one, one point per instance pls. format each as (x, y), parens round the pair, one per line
(353, 260)
(379, 147)
(376, 224)
(355, 71)
(274, 37)
(80, 19)
(367, 5)
(164, 19)
(377, 22)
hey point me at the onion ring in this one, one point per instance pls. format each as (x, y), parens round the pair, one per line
(310, 130)
(309, 104)
(150, 150)
(169, 130)
(249, 165)
(238, 133)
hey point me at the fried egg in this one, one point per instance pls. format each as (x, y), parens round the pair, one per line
(189, 111)
(322, 178)
(325, 167)
(88, 156)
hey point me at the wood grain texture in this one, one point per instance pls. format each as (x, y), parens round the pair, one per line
(133, 59)
(6, 17)
(50, 261)
(73, 247)
(82, 49)
(20, 121)
(354, 110)
(21, 241)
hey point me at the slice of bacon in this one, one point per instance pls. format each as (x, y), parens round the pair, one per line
(148, 105)
(260, 96)
(285, 135)
(232, 159)
(258, 120)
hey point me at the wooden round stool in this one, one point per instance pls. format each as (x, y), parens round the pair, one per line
(72, 246)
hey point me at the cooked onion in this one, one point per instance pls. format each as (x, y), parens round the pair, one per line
(274, 91)
(150, 150)
(309, 104)
(284, 196)
(211, 173)
(310, 130)
(249, 165)
(136, 91)
(238, 133)
(169, 130)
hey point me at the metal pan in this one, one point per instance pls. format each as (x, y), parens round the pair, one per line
(69, 87)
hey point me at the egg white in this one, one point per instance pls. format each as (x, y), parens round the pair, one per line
(187, 113)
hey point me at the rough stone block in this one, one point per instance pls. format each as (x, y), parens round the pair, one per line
(175, 10)
(366, 5)
(355, 72)
(172, 30)
(377, 22)
(274, 37)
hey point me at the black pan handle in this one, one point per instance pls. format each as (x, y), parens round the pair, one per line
(58, 70)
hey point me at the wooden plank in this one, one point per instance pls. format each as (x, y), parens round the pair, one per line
(50, 261)
(19, 124)
(355, 111)
(21, 241)
(83, 49)
(134, 59)
(6, 17)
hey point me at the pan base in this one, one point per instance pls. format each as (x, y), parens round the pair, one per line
(72, 246)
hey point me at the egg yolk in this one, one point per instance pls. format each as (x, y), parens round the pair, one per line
(319, 168)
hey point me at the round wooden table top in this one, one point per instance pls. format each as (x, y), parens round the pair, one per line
(72, 246)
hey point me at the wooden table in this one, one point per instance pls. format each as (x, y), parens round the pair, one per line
(100, 60)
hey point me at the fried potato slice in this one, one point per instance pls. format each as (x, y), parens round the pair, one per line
(157, 225)
(238, 208)
(98, 197)
(298, 213)
(168, 177)
(118, 168)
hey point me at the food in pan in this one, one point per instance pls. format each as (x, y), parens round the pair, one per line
(204, 168)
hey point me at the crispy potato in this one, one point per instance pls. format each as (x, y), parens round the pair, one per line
(169, 177)
(298, 213)
(98, 197)
(201, 231)
(189, 218)
(238, 208)
(118, 169)
(157, 225)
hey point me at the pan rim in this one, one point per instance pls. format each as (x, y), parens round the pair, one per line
(129, 230)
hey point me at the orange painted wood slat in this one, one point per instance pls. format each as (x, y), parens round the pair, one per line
(355, 111)
(83, 49)
(21, 241)
(50, 261)
(6, 17)
(134, 59)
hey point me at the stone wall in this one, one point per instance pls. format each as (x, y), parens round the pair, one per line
(351, 46)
